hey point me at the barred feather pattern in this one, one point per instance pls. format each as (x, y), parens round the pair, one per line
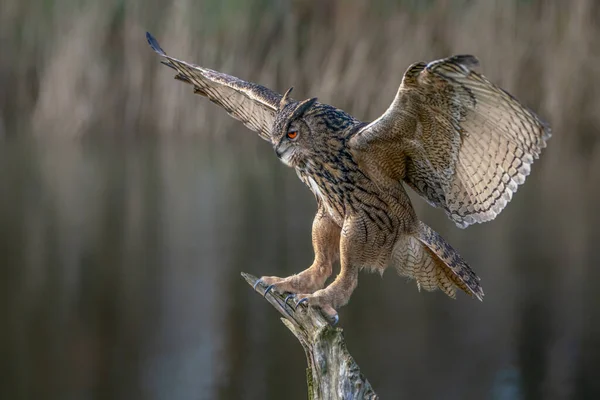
(465, 144)
(254, 105)
(428, 259)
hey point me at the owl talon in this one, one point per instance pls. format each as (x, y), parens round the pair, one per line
(291, 295)
(302, 301)
(256, 283)
(268, 290)
(336, 319)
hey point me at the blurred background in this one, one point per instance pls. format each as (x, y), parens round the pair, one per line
(129, 206)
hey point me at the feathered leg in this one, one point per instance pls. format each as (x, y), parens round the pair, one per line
(326, 241)
(338, 293)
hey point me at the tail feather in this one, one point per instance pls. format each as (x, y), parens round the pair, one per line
(433, 263)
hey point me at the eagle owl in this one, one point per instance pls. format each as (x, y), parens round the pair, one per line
(459, 141)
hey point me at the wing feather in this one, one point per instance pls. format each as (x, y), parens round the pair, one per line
(466, 144)
(252, 104)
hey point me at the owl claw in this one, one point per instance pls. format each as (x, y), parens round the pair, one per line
(302, 301)
(261, 282)
(291, 295)
(333, 319)
(256, 283)
(268, 290)
(336, 319)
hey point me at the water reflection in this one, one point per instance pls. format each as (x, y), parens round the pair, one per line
(121, 267)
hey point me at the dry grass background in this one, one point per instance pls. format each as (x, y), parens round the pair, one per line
(76, 65)
(75, 68)
(80, 69)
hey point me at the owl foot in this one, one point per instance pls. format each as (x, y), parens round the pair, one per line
(320, 300)
(301, 283)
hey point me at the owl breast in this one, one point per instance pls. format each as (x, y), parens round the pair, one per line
(326, 197)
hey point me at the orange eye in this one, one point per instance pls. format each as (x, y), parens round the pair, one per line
(292, 134)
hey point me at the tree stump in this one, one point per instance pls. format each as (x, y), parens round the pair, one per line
(332, 373)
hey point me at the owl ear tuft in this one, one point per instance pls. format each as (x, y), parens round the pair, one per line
(285, 100)
(302, 107)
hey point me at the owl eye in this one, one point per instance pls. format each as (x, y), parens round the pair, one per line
(292, 135)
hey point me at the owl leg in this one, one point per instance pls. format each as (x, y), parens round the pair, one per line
(326, 239)
(338, 293)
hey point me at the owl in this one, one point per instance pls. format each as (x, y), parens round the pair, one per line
(459, 141)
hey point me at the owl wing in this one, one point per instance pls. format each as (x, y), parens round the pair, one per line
(254, 105)
(459, 141)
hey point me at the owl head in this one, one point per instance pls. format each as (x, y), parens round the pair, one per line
(305, 129)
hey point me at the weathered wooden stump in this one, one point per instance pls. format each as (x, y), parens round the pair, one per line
(332, 373)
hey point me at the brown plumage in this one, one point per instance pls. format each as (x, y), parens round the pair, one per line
(459, 141)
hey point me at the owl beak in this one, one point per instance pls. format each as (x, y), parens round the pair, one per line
(284, 154)
(280, 151)
(281, 147)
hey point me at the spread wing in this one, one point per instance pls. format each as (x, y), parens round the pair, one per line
(459, 141)
(254, 105)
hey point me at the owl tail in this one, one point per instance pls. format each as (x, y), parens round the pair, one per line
(426, 257)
